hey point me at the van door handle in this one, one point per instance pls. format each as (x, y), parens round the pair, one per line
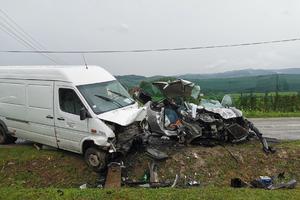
(49, 117)
(61, 119)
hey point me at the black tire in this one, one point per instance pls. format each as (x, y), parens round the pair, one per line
(3, 136)
(96, 159)
(11, 139)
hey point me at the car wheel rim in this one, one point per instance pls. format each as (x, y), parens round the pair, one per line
(94, 160)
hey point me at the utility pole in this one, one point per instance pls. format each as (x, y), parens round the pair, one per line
(277, 90)
(277, 84)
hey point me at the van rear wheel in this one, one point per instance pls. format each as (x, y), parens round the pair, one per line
(3, 136)
(11, 139)
(96, 159)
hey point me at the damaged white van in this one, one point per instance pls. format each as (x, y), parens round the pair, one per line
(75, 108)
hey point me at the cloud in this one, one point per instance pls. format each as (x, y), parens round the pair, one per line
(121, 28)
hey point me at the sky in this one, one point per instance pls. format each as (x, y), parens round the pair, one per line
(146, 24)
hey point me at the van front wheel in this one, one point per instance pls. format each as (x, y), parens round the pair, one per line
(95, 158)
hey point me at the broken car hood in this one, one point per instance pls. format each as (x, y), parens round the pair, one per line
(226, 113)
(178, 88)
(124, 116)
(216, 107)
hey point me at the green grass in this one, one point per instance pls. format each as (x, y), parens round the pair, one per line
(24, 153)
(25, 166)
(59, 174)
(163, 193)
(261, 94)
(259, 114)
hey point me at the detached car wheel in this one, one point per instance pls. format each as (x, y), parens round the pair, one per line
(96, 159)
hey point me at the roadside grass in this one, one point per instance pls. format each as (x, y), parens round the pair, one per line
(26, 173)
(260, 114)
(25, 166)
(215, 193)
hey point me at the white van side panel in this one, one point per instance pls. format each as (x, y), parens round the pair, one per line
(40, 102)
(13, 100)
(26, 107)
(40, 111)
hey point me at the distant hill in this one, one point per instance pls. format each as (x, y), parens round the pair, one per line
(130, 81)
(265, 83)
(248, 80)
(241, 73)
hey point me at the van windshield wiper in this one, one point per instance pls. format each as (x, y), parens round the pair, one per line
(119, 94)
(110, 100)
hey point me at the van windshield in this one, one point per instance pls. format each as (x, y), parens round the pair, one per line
(105, 96)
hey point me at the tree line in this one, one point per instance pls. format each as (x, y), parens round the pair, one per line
(268, 102)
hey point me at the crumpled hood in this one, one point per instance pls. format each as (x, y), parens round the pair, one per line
(226, 113)
(124, 116)
(216, 107)
(178, 88)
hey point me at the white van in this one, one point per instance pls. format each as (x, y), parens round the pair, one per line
(75, 108)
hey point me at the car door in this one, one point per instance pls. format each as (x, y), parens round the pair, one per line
(70, 130)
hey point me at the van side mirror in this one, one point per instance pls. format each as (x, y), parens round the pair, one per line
(84, 114)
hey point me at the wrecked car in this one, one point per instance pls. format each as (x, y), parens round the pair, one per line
(207, 123)
(82, 109)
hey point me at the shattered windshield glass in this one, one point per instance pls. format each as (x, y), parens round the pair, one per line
(195, 91)
(208, 103)
(105, 96)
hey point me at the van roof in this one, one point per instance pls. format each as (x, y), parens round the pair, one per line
(78, 75)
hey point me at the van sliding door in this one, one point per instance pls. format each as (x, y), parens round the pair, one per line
(40, 114)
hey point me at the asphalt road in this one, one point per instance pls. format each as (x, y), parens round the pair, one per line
(280, 128)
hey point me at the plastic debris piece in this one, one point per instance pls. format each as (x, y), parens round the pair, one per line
(193, 183)
(37, 146)
(147, 185)
(289, 185)
(175, 181)
(83, 186)
(156, 154)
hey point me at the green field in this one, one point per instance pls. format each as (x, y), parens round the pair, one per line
(261, 84)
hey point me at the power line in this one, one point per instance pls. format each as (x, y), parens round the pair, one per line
(19, 29)
(19, 34)
(25, 43)
(158, 50)
(21, 40)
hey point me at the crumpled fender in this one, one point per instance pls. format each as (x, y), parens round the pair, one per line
(97, 139)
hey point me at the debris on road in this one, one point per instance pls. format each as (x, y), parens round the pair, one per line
(265, 182)
(83, 186)
(156, 154)
(37, 146)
